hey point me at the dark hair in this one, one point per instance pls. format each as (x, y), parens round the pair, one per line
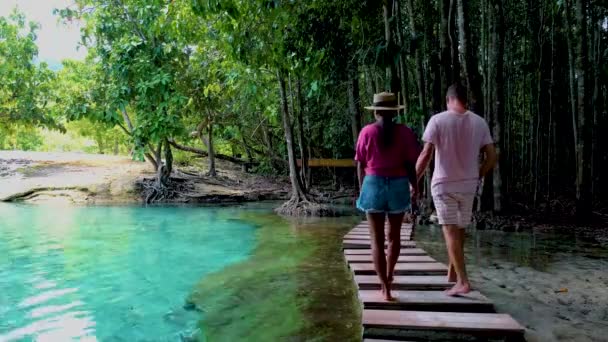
(457, 91)
(387, 125)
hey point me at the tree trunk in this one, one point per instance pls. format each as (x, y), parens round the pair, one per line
(168, 157)
(402, 60)
(471, 71)
(164, 170)
(354, 101)
(304, 170)
(444, 44)
(391, 69)
(152, 160)
(583, 169)
(297, 193)
(158, 156)
(211, 151)
(416, 42)
(497, 66)
(596, 103)
(452, 32)
(369, 82)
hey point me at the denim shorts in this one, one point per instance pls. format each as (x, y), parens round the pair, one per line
(389, 195)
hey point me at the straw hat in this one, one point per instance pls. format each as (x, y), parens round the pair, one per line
(385, 101)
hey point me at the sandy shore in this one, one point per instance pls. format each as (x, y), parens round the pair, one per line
(98, 179)
(71, 177)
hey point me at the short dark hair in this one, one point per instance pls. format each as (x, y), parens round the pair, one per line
(457, 91)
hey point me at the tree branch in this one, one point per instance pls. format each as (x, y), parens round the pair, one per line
(205, 154)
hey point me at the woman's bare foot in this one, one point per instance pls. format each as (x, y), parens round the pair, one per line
(459, 289)
(386, 292)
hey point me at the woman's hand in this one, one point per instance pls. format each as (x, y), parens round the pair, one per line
(413, 192)
(414, 199)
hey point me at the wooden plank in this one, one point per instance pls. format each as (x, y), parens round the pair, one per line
(368, 251)
(323, 162)
(365, 237)
(403, 231)
(366, 226)
(366, 232)
(371, 282)
(404, 268)
(426, 301)
(362, 244)
(386, 223)
(377, 340)
(402, 258)
(490, 323)
(404, 242)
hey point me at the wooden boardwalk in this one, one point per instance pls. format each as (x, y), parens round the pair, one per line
(421, 311)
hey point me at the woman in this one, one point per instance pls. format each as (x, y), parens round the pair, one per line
(386, 156)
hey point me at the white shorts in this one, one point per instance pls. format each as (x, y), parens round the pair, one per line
(454, 208)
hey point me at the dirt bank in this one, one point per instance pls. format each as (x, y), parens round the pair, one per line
(80, 178)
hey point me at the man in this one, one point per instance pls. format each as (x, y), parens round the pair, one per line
(456, 137)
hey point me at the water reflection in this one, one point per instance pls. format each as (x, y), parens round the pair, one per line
(538, 250)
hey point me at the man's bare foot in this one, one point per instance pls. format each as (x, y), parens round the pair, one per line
(452, 276)
(459, 289)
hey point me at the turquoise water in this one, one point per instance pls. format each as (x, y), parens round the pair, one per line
(110, 273)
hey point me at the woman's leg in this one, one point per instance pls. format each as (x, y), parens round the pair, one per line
(376, 232)
(394, 244)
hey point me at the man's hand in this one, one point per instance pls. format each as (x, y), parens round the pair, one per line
(489, 161)
(424, 160)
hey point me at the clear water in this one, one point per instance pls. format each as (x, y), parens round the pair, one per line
(554, 282)
(125, 273)
(110, 273)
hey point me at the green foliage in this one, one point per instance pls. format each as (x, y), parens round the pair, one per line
(24, 85)
(135, 79)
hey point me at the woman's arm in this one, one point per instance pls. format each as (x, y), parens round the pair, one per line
(411, 172)
(360, 173)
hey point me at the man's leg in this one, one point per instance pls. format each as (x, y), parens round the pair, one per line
(394, 244)
(452, 276)
(454, 239)
(446, 208)
(376, 232)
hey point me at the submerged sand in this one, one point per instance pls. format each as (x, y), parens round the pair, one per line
(554, 284)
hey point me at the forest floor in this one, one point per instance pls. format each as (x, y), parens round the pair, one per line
(36, 177)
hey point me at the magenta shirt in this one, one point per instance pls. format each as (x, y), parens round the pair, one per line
(388, 162)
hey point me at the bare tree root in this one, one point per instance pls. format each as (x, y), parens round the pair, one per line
(154, 191)
(298, 207)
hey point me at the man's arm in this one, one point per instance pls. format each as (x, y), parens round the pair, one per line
(424, 159)
(489, 161)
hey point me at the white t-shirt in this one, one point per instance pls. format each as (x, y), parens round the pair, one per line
(458, 139)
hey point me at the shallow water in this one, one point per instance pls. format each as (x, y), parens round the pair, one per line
(553, 282)
(109, 273)
(168, 273)
(245, 274)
